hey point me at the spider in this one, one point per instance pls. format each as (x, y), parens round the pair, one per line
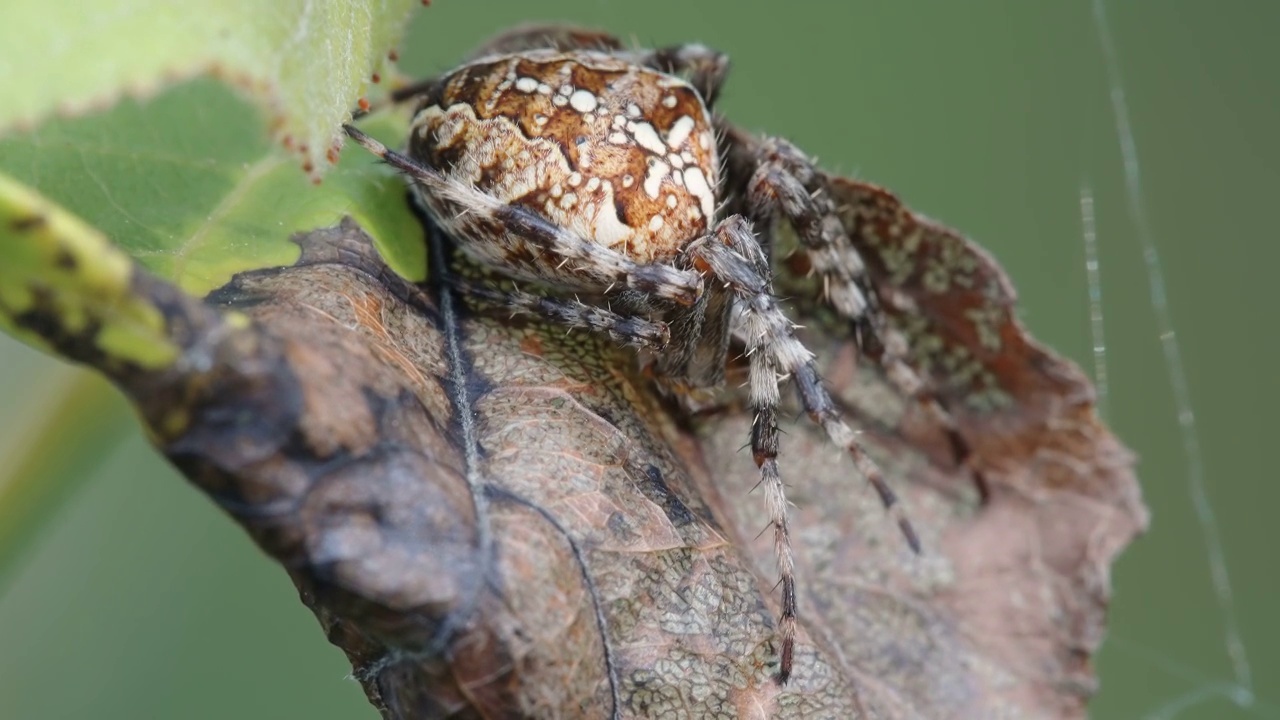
(556, 156)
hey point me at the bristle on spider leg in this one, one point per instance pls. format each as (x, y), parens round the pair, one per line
(364, 140)
(403, 163)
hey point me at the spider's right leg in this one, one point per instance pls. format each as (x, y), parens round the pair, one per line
(622, 329)
(786, 183)
(784, 186)
(733, 257)
(746, 276)
(502, 236)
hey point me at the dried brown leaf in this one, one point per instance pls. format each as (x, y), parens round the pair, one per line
(493, 519)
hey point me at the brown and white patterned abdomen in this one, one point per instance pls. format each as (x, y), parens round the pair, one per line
(619, 155)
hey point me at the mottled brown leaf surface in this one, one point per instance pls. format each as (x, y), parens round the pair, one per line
(494, 519)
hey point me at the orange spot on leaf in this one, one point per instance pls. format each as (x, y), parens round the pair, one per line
(531, 345)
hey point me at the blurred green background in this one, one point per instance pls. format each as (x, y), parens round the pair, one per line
(139, 599)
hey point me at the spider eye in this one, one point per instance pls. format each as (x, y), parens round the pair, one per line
(580, 140)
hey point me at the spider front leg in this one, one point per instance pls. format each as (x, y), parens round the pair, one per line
(786, 184)
(733, 258)
(622, 329)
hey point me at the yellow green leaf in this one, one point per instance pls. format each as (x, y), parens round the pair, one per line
(60, 273)
(188, 184)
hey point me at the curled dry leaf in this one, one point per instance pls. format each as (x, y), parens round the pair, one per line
(494, 519)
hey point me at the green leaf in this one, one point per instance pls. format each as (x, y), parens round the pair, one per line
(188, 184)
(303, 62)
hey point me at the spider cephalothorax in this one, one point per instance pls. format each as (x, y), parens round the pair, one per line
(600, 174)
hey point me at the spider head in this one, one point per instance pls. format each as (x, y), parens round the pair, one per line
(618, 154)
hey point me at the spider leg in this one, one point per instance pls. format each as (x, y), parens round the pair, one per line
(501, 236)
(745, 280)
(739, 263)
(778, 188)
(622, 329)
(732, 257)
(786, 184)
(706, 69)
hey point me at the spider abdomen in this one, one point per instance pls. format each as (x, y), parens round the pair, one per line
(618, 154)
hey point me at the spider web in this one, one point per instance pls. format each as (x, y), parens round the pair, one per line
(1238, 687)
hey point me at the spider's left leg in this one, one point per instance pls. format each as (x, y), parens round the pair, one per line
(734, 259)
(630, 330)
(786, 183)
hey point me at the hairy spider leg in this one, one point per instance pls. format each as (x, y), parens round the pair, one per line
(786, 184)
(733, 258)
(623, 329)
(488, 227)
(748, 281)
(777, 189)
